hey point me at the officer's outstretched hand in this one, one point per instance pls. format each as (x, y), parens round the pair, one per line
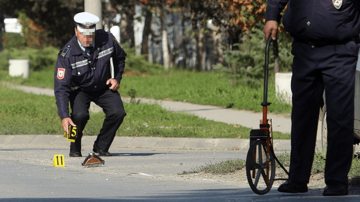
(113, 83)
(270, 27)
(65, 124)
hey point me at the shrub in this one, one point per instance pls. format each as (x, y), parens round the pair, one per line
(40, 59)
(138, 63)
(246, 61)
(45, 59)
(13, 40)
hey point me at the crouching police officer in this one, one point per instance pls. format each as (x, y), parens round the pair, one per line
(83, 75)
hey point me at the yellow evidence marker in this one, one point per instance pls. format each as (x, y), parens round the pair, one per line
(73, 134)
(59, 160)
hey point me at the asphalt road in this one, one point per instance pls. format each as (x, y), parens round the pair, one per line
(27, 174)
(141, 169)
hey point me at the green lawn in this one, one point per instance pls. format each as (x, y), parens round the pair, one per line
(23, 113)
(196, 87)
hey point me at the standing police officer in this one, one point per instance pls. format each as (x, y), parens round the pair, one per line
(325, 37)
(83, 75)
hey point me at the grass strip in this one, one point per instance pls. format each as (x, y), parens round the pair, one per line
(209, 88)
(23, 113)
(202, 88)
(233, 165)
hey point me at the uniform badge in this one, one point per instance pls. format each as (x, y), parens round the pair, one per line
(337, 3)
(61, 73)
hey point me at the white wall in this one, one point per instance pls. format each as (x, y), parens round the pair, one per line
(283, 86)
(12, 25)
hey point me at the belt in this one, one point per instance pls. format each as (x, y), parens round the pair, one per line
(73, 88)
(89, 90)
(320, 43)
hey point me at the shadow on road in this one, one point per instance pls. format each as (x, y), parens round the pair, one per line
(208, 195)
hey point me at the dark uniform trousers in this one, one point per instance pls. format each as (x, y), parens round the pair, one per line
(317, 68)
(113, 108)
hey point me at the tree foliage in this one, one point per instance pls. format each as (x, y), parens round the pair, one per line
(34, 35)
(202, 11)
(199, 13)
(126, 8)
(52, 18)
(246, 13)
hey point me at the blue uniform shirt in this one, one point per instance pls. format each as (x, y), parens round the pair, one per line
(315, 20)
(74, 68)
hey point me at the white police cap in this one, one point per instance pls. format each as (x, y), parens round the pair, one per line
(86, 22)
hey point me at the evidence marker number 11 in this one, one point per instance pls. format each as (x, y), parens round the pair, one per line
(59, 160)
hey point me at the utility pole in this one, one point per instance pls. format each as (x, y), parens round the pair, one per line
(94, 7)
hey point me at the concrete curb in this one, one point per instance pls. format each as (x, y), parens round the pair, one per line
(215, 144)
(142, 142)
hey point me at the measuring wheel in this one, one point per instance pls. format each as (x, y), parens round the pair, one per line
(260, 160)
(260, 167)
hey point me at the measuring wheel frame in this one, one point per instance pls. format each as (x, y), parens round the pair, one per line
(260, 167)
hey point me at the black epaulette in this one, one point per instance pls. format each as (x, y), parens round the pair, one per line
(65, 51)
(100, 31)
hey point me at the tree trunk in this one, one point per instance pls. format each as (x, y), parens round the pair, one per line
(129, 35)
(123, 26)
(217, 45)
(1, 26)
(165, 50)
(146, 32)
(184, 42)
(106, 16)
(130, 31)
(200, 49)
(164, 37)
(171, 61)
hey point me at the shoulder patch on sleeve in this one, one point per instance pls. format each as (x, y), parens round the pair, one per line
(60, 73)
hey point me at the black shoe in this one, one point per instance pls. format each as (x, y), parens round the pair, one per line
(101, 152)
(336, 190)
(293, 187)
(75, 154)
